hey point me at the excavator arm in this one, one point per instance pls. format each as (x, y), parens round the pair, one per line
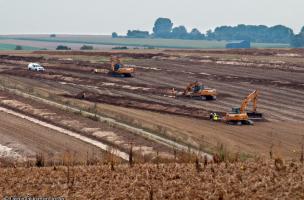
(251, 97)
(190, 86)
(114, 61)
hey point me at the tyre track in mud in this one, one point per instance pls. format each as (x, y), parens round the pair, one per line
(267, 103)
(277, 98)
(281, 101)
(264, 102)
(272, 99)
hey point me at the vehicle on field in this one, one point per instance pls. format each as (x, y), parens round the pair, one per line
(35, 67)
(198, 90)
(240, 116)
(119, 70)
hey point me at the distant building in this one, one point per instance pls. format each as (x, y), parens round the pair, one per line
(239, 45)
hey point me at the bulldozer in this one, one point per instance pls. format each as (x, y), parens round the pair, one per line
(239, 116)
(119, 70)
(198, 90)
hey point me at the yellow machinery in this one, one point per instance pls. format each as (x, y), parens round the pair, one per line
(239, 116)
(117, 68)
(197, 90)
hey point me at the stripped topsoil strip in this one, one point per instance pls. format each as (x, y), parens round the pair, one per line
(121, 54)
(130, 102)
(83, 126)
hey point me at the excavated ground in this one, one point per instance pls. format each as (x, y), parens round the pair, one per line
(278, 74)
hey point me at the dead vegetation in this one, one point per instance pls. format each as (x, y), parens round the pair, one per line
(254, 179)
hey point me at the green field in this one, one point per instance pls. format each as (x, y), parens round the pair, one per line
(138, 42)
(8, 47)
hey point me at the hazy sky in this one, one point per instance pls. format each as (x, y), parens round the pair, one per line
(106, 16)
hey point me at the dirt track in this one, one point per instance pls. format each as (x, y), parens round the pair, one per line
(28, 139)
(278, 74)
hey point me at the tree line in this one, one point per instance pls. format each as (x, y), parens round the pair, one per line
(164, 28)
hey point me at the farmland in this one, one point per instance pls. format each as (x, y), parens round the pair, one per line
(11, 46)
(72, 40)
(118, 116)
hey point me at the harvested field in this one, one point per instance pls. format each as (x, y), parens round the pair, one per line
(51, 45)
(132, 42)
(144, 101)
(255, 179)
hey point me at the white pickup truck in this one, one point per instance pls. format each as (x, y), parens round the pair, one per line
(35, 67)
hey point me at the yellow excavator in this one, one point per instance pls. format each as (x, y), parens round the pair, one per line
(119, 70)
(239, 116)
(198, 90)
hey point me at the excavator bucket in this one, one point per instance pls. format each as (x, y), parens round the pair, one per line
(255, 115)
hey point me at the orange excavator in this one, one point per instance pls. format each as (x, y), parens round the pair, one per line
(198, 90)
(239, 115)
(119, 70)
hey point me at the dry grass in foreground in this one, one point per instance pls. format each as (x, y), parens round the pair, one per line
(253, 179)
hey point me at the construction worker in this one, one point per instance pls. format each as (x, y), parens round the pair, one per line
(83, 95)
(214, 116)
(211, 116)
(173, 93)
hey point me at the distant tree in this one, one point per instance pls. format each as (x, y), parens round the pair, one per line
(114, 35)
(210, 35)
(253, 33)
(195, 34)
(297, 41)
(279, 34)
(179, 32)
(86, 47)
(302, 30)
(53, 35)
(18, 47)
(62, 47)
(162, 28)
(137, 34)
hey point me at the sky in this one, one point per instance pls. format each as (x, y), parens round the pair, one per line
(106, 16)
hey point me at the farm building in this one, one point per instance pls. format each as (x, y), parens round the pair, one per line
(245, 44)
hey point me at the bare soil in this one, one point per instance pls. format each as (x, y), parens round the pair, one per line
(28, 139)
(100, 131)
(278, 74)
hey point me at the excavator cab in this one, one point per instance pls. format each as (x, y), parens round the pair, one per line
(198, 88)
(117, 66)
(236, 110)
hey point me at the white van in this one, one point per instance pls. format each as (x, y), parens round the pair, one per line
(35, 67)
